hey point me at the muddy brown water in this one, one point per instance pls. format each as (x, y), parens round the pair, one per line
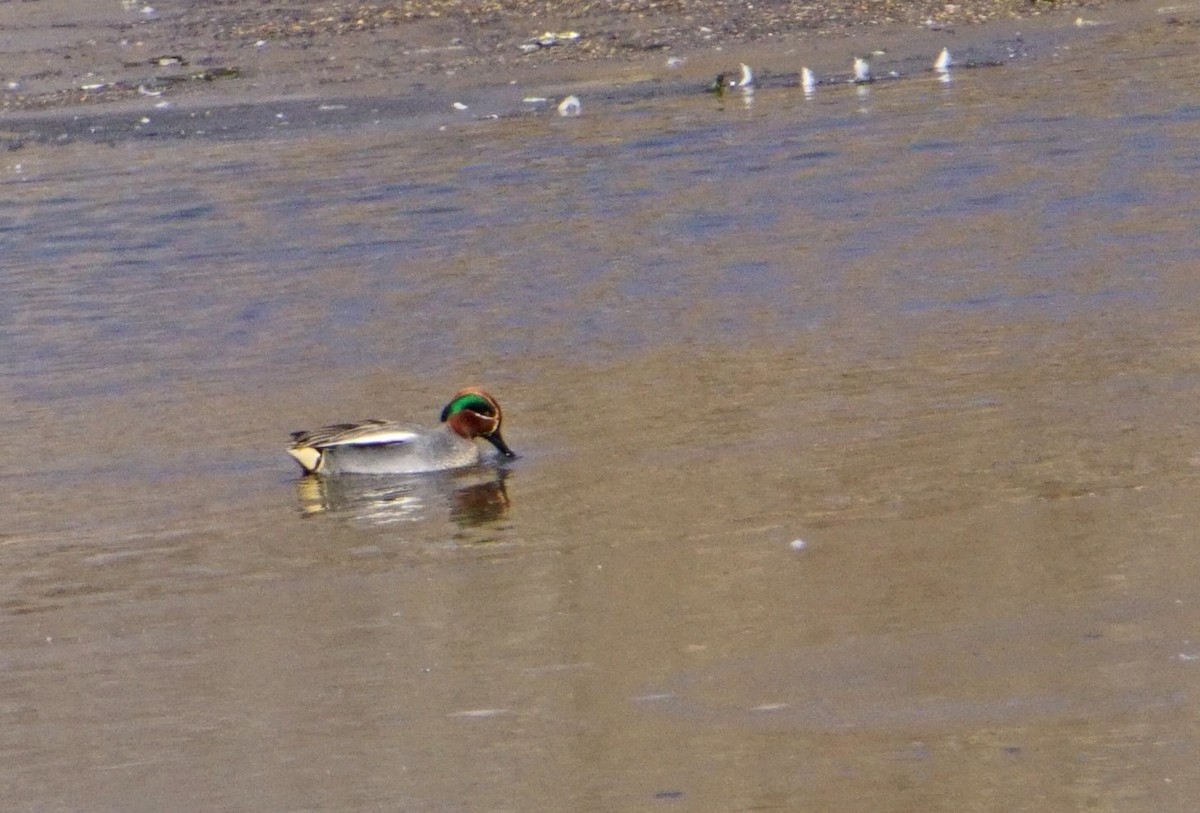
(858, 433)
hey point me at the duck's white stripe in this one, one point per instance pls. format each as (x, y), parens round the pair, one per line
(372, 438)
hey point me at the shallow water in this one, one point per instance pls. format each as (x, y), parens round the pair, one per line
(858, 452)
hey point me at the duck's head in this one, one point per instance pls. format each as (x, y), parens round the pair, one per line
(472, 413)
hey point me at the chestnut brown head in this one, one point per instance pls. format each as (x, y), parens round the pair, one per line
(473, 413)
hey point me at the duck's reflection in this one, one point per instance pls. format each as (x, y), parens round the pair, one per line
(471, 497)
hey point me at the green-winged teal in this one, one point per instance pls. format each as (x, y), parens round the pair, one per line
(385, 447)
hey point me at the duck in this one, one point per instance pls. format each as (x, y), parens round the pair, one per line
(377, 446)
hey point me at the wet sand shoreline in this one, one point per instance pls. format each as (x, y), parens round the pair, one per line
(63, 54)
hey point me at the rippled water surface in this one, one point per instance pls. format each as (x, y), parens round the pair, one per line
(859, 451)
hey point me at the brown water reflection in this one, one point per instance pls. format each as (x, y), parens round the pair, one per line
(945, 335)
(471, 498)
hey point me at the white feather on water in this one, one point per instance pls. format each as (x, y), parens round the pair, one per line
(807, 81)
(862, 70)
(570, 106)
